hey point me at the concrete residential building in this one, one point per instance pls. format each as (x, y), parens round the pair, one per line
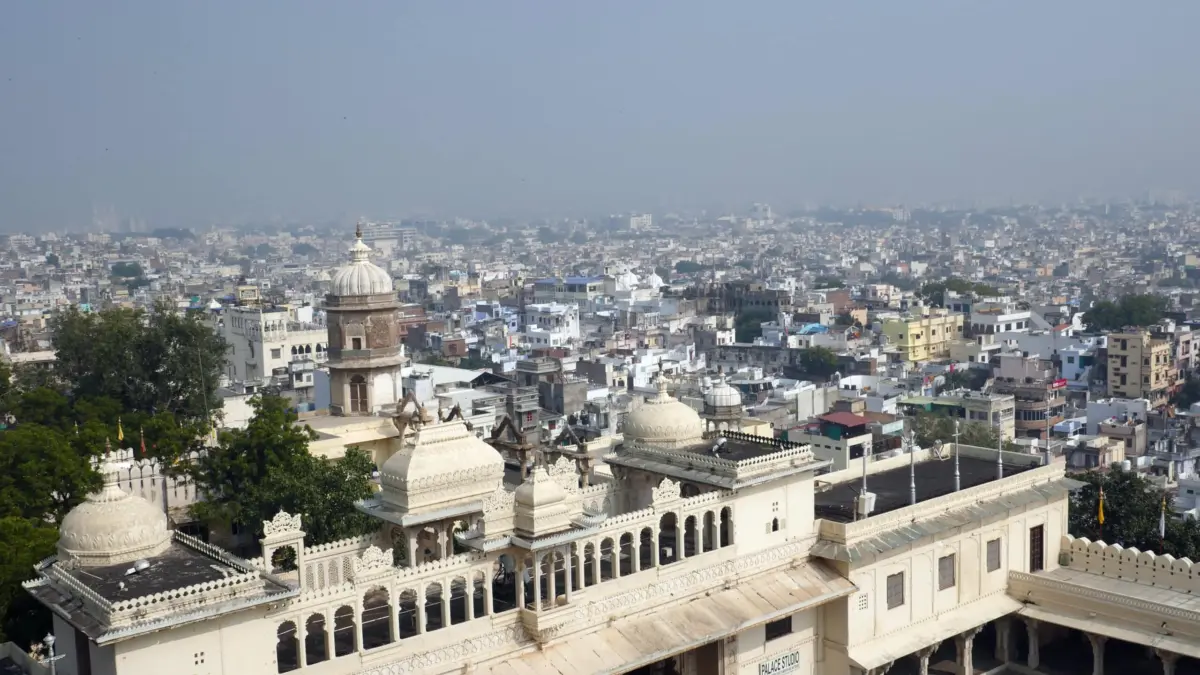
(1139, 366)
(923, 337)
(264, 339)
(1040, 394)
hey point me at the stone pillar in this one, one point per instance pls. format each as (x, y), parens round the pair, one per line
(595, 564)
(1031, 628)
(302, 641)
(520, 576)
(487, 596)
(421, 627)
(410, 540)
(1169, 659)
(966, 650)
(653, 551)
(446, 622)
(570, 571)
(329, 626)
(552, 582)
(635, 562)
(923, 656)
(394, 613)
(537, 584)
(1003, 639)
(358, 624)
(1097, 652)
(469, 592)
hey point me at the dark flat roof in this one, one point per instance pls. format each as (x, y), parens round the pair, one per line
(934, 479)
(177, 567)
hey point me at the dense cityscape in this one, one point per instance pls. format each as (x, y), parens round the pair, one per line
(315, 445)
(622, 338)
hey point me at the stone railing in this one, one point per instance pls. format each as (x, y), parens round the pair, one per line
(847, 533)
(1130, 564)
(184, 599)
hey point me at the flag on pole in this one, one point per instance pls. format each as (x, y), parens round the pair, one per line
(120, 431)
(1100, 514)
(142, 434)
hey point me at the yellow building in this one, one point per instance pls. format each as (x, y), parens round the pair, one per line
(924, 337)
(1139, 366)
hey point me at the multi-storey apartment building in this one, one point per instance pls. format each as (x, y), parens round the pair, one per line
(1139, 366)
(1039, 393)
(925, 336)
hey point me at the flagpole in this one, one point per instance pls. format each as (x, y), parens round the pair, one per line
(1100, 511)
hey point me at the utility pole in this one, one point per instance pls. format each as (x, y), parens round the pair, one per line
(957, 480)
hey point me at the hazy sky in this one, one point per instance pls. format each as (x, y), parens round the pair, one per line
(196, 112)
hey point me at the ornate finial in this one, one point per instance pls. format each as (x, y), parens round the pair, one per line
(358, 230)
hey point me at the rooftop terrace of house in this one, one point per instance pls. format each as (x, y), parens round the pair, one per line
(891, 479)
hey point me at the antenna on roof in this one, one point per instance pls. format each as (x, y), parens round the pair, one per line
(907, 440)
(957, 481)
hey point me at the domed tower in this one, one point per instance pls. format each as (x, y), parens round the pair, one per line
(723, 406)
(365, 352)
(664, 422)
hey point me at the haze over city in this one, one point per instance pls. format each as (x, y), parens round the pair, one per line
(189, 114)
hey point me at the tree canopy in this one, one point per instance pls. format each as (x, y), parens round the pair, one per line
(1132, 506)
(127, 270)
(934, 292)
(148, 362)
(254, 472)
(932, 427)
(748, 325)
(828, 282)
(303, 248)
(818, 361)
(1127, 311)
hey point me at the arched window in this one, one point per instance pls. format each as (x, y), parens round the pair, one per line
(343, 631)
(589, 562)
(287, 649)
(774, 524)
(710, 531)
(726, 526)
(358, 394)
(408, 613)
(504, 584)
(689, 537)
(625, 555)
(478, 595)
(608, 560)
(433, 608)
(668, 544)
(458, 600)
(314, 639)
(376, 618)
(646, 543)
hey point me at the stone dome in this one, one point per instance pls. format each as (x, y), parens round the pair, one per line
(722, 395)
(538, 492)
(361, 276)
(654, 281)
(664, 421)
(112, 526)
(439, 464)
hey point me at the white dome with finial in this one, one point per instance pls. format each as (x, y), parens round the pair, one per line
(722, 395)
(112, 526)
(361, 276)
(664, 421)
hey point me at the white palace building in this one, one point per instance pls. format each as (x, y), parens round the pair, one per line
(685, 551)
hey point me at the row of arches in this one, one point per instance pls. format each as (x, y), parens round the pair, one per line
(540, 580)
(381, 620)
(299, 350)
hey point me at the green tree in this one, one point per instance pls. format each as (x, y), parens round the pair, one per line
(1127, 311)
(254, 472)
(748, 325)
(818, 361)
(23, 543)
(828, 282)
(303, 248)
(52, 259)
(688, 267)
(1132, 506)
(932, 427)
(127, 270)
(1188, 394)
(43, 475)
(149, 362)
(956, 379)
(934, 292)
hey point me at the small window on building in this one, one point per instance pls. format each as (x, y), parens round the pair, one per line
(862, 602)
(1037, 548)
(276, 353)
(946, 572)
(779, 628)
(895, 590)
(774, 524)
(993, 555)
(356, 343)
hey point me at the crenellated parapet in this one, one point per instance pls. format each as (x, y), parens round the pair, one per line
(1130, 564)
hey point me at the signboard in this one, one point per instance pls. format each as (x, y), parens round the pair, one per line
(1060, 383)
(785, 663)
